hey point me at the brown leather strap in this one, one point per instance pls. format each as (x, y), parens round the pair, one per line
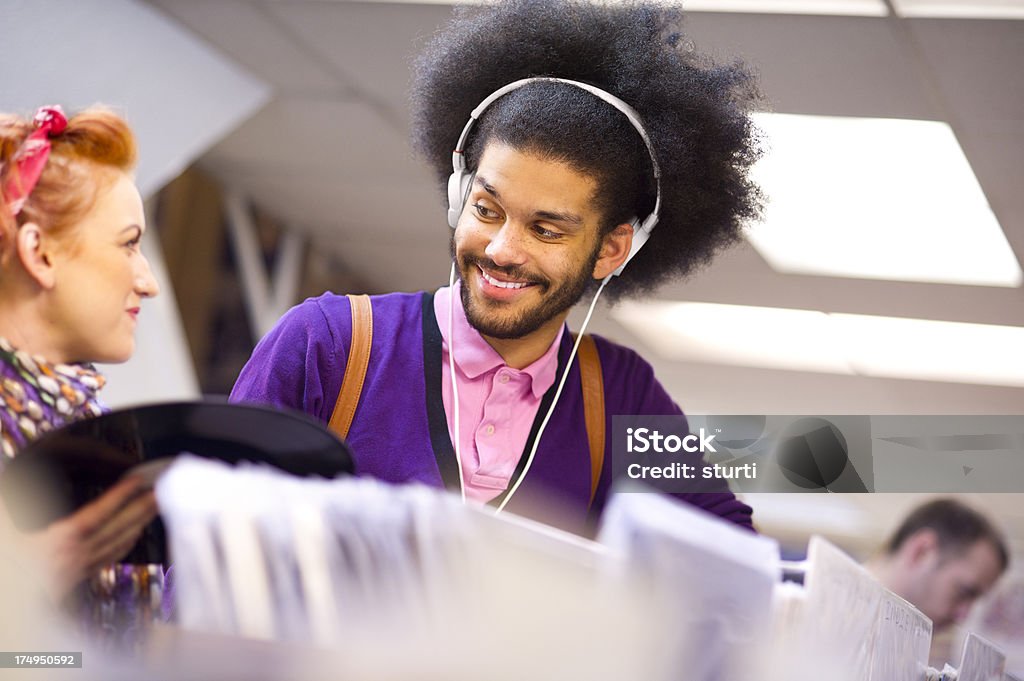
(593, 408)
(355, 367)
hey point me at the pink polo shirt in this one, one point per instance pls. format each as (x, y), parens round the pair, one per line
(497, 404)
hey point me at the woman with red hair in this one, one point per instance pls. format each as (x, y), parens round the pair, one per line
(72, 278)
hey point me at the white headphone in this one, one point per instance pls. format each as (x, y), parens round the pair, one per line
(461, 181)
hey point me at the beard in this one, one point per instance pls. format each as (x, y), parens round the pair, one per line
(501, 320)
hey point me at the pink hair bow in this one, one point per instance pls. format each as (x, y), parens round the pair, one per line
(30, 159)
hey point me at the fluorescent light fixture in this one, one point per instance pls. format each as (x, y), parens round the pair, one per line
(932, 350)
(876, 198)
(806, 340)
(857, 8)
(981, 9)
(794, 513)
(734, 334)
(961, 9)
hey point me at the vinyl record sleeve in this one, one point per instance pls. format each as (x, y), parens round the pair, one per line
(73, 465)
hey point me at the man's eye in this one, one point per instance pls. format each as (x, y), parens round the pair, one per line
(484, 212)
(546, 233)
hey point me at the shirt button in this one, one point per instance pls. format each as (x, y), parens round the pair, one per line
(489, 429)
(503, 378)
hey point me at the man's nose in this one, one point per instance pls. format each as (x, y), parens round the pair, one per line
(506, 246)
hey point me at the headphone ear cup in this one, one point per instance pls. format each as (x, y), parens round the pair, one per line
(641, 233)
(455, 197)
(459, 184)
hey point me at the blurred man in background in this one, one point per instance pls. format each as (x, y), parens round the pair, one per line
(942, 558)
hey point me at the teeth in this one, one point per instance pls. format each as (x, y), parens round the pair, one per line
(501, 284)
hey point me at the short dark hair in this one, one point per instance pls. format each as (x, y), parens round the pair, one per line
(695, 112)
(957, 526)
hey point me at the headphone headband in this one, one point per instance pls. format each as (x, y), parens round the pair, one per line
(459, 183)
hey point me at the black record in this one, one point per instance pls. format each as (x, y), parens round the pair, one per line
(73, 465)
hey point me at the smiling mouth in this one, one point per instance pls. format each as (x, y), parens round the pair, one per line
(502, 284)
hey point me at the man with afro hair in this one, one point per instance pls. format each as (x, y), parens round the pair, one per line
(620, 132)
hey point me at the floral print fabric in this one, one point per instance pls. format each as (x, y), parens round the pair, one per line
(37, 396)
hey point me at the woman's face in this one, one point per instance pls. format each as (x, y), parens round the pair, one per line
(101, 277)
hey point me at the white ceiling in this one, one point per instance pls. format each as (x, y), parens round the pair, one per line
(329, 155)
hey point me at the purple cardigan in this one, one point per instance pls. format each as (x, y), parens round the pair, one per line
(400, 431)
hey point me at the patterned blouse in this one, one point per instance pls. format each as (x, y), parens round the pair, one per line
(37, 396)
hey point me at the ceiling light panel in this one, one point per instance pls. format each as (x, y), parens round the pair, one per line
(859, 8)
(807, 340)
(877, 199)
(961, 9)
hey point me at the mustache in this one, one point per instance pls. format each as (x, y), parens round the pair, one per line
(510, 271)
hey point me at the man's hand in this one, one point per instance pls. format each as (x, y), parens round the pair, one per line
(95, 535)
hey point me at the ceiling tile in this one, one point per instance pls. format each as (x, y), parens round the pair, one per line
(312, 137)
(849, 66)
(247, 33)
(976, 64)
(371, 43)
(330, 204)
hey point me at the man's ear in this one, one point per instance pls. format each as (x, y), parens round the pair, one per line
(921, 548)
(33, 249)
(614, 249)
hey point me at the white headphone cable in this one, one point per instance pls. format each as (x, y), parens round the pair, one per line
(554, 402)
(456, 439)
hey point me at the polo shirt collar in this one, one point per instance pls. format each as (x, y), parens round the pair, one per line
(475, 357)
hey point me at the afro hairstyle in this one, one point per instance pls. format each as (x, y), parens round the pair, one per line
(696, 113)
